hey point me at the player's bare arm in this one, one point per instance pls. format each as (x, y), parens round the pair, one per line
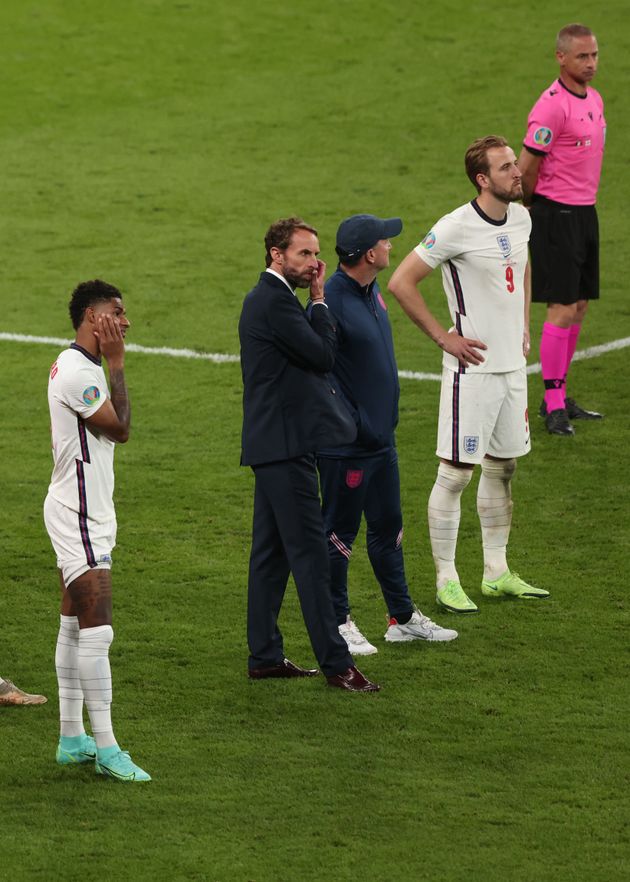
(529, 164)
(113, 418)
(404, 286)
(527, 284)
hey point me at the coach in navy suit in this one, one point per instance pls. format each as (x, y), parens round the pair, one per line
(289, 411)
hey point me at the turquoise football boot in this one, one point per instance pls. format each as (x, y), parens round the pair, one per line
(116, 763)
(73, 750)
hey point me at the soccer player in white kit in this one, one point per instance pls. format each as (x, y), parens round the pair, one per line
(87, 420)
(482, 250)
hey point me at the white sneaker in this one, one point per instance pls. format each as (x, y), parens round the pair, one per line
(357, 644)
(419, 627)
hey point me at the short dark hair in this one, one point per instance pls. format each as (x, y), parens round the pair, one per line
(568, 32)
(344, 260)
(279, 234)
(87, 294)
(476, 159)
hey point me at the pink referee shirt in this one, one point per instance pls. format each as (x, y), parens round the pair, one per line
(569, 131)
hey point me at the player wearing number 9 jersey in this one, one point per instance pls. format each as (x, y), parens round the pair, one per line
(483, 264)
(481, 248)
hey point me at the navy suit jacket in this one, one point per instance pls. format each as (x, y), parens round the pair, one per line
(289, 406)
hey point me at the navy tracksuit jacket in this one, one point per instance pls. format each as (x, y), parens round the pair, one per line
(362, 477)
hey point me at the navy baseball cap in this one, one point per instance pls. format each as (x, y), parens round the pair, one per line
(359, 233)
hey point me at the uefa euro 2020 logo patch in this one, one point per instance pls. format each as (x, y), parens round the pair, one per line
(543, 136)
(429, 240)
(91, 395)
(505, 245)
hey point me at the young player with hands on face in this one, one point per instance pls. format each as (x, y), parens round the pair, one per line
(87, 420)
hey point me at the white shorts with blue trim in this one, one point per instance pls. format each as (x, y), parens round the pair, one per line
(79, 543)
(483, 414)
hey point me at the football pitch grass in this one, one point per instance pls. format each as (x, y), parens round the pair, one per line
(151, 144)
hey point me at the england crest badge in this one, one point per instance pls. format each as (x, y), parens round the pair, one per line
(505, 245)
(471, 443)
(354, 478)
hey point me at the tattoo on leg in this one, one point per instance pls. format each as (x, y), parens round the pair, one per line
(91, 596)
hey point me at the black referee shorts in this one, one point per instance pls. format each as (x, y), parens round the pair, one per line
(564, 249)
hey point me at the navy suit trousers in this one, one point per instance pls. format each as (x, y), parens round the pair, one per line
(288, 536)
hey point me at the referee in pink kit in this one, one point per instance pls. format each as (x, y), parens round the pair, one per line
(561, 163)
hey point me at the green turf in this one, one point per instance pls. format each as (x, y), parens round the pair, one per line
(151, 144)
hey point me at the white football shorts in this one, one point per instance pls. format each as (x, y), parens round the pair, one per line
(483, 414)
(80, 543)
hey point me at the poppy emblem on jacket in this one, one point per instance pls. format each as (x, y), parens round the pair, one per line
(91, 394)
(354, 477)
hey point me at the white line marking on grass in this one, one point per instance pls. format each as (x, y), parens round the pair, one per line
(216, 357)
(591, 352)
(220, 358)
(415, 375)
(581, 355)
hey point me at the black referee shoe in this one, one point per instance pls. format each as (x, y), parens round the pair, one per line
(557, 422)
(574, 411)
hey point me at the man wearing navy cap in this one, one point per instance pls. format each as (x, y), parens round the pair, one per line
(362, 477)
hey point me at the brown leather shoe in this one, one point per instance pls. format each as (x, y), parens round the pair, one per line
(285, 669)
(353, 680)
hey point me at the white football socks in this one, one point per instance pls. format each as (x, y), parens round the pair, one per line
(96, 681)
(444, 513)
(67, 665)
(494, 506)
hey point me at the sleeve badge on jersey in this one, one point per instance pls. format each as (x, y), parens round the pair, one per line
(429, 240)
(91, 395)
(543, 136)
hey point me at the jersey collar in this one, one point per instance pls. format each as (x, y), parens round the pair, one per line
(484, 216)
(87, 354)
(571, 92)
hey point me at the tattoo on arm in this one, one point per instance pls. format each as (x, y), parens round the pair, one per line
(120, 397)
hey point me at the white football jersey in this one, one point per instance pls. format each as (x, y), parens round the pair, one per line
(483, 267)
(83, 473)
